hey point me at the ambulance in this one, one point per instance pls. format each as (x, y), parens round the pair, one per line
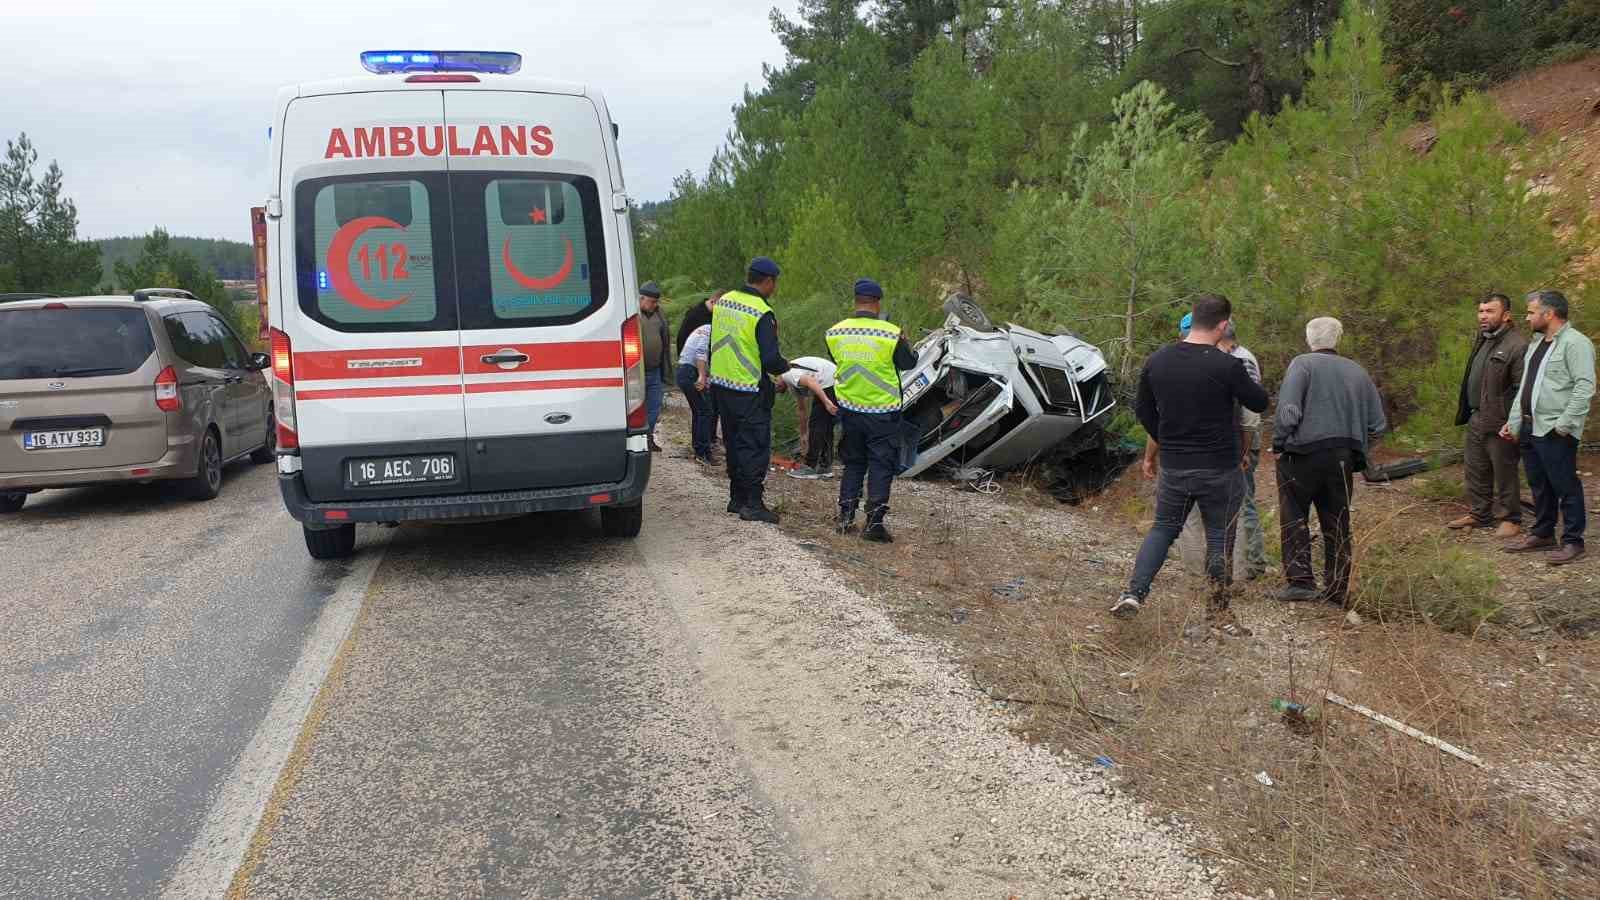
(453, 304)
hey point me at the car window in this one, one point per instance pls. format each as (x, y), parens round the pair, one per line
(73, 342)
(232, 348)
(196, 341)
(372, 252)
(532, 249)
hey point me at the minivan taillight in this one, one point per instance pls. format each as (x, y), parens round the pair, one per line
(167, 397)
(633, 374)
(283, 391)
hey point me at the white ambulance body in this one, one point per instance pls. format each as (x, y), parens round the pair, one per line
(453, 300)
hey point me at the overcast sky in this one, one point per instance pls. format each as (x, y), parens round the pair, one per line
(158, 110)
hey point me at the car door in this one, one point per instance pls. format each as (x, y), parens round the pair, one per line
(246, 391)
(203, 372)
(541, 298)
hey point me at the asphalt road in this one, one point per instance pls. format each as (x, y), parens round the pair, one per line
(505, 712)
(191, 707)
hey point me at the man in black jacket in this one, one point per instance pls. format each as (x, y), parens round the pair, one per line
(1189, 394)
(1494, 372)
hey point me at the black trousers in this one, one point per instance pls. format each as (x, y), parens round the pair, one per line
(1320, 480)
(747, 433)
(1552, 464)
(870, 450)
(819, 433)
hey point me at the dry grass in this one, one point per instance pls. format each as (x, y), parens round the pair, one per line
(1355, 809)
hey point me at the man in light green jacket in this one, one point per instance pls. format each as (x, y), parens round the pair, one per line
(1546, 421)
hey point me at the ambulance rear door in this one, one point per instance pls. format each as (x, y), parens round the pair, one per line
(373, 318)
(541, 282)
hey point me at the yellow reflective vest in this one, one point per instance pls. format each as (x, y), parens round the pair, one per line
(735, 356)
(867, 380)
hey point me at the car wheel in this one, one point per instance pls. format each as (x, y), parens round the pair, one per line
(207, 481)
(622, 521)
(337, 542)
(10, 503)
(968, 312)
(269, 450)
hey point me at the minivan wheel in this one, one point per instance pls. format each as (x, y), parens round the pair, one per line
(10, 503)
(207, 481)
(337, 542)
(269, 450)
(622, 521)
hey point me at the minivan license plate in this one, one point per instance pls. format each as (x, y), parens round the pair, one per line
(56, 440)
(393, 470)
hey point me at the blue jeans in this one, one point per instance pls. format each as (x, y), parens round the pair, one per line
(702, 417)
(1218, 492)
(1552, 465)
(654, 393)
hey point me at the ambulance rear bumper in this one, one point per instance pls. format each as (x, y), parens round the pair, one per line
(626, 492)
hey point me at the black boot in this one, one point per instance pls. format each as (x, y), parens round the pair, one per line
(846, 523)
(875, 530)
(736, 500)
(755, 509)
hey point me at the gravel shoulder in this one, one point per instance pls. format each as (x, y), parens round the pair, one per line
(896, 777)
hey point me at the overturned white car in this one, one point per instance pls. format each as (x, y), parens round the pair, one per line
(997, 397)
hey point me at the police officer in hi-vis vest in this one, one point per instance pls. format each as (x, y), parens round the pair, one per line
(870, 354)
(744, 351)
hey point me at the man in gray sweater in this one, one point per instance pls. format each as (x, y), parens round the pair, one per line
(1329, 412)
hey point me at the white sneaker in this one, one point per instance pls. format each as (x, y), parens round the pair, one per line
(805, 472)
(1126, 607)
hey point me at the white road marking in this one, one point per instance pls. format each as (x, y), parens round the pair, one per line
(219, 848)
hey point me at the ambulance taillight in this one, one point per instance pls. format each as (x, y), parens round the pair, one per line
(283, 391)
(633, 373)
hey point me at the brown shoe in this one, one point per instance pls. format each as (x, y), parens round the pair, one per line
(1507, 530)
(1531, 543)
(1570, 553)
(1466, 522)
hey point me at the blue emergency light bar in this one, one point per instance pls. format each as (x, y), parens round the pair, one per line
(388, 62)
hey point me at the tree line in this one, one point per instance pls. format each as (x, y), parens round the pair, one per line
(40, 251)
(1089, 165)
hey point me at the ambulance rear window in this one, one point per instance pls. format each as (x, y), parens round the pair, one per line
(372, 252)
(531, 249)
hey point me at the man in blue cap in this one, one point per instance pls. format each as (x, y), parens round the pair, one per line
(870, 354)
(744, 353)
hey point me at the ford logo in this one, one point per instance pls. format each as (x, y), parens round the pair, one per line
(558, 418)
(56, 385)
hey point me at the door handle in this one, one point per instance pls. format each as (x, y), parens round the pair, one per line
(498, 359)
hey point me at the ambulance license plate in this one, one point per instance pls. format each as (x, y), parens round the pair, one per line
(393, 470)
(59, 440)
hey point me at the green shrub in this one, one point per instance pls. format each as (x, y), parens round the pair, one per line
(1567, 52)
(1443, 488)
(1427, 577)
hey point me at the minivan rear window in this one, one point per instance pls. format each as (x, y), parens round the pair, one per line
(76, 342)
(372, 252)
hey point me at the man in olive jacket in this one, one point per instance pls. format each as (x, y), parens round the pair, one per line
(1494, 373)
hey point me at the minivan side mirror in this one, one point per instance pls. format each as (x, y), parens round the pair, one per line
(259, 361)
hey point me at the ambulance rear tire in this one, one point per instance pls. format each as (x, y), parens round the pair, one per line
(622, 521)
(337, 542)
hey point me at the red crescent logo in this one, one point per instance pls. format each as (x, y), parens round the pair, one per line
(528, 281)
(344, 241)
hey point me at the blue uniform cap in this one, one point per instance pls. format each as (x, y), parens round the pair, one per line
(1186, 324)
(866, 287)
(763, 265)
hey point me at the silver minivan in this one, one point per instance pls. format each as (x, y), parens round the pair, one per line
(150, 387)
